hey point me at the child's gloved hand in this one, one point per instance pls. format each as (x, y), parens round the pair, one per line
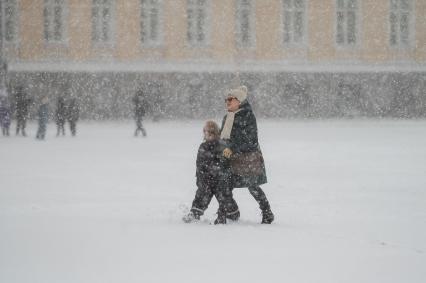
(227, 152)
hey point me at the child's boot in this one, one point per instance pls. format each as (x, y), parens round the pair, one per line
(191, 217)
(234, 215)
(221, 217)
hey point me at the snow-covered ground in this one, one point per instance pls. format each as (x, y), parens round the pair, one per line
(349, 199)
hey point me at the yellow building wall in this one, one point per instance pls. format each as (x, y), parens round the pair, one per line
(375, 23)
(31, 33)
(79, 43)
(268, 26)
(320, 30)
(320, 42)
(173, 27)
(127, 45)
(222, 30)
(420, 44)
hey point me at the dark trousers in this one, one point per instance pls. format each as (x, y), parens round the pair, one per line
(139, 127)
(260, 197)
(60, 128)
(41, 132)
(5, 130)
(73, 127)
(20, 126)
(205, 193)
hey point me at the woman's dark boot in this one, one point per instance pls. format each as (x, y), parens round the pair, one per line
(267, 216)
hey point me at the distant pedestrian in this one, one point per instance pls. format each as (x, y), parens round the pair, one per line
(43, 118)
(22, 104)
(60, 116)
(140, 105)
(73, 114)
(5, 112)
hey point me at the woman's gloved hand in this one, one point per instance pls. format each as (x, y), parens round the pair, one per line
(227, 152)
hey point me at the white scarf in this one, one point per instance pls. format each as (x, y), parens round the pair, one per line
(227, 127)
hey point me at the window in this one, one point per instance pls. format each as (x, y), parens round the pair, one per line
(9, 21)
(150, 22)
(294, 22)
(400, 23)
(102, 19)
(346, 22)
(54, 20)
(197, 14)
(245, 23)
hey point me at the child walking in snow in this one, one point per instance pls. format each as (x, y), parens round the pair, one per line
(213, 179)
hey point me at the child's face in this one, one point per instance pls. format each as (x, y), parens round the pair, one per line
(209, 135)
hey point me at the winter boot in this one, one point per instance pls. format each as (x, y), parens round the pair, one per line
(191, 217)
(234, 216)
(267, 216)
(221, 218)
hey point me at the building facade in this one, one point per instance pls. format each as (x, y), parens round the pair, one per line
(299, 58)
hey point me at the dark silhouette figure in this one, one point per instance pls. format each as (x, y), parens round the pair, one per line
(43, 118)
(22, 107)
(60, 116)
(5, 114)
(140, 109)
(73, 114)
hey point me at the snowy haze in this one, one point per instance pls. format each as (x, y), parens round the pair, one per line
(349, 199)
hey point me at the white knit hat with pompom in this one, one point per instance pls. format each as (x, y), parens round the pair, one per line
(239, 93)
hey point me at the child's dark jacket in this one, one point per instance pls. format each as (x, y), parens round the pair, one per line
(211, 165)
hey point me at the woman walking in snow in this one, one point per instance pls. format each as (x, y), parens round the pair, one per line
(239, 130)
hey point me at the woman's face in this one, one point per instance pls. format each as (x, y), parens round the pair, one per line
(232, 104)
